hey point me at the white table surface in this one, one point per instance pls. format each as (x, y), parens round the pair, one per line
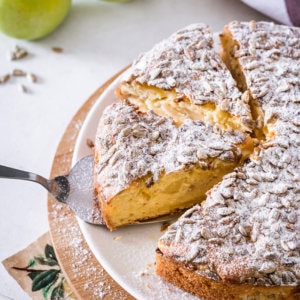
(98, 39)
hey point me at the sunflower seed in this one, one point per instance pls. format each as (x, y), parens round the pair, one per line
(225, 211)
(31, 77)
(288, 277)
(292, 217)
(205, 233)
(18, 53)
(252, 25)
(244, 229)
(267, 267)
(18, 72)
(4, 78)
(284, 245)
(22, 88)
(57, 49)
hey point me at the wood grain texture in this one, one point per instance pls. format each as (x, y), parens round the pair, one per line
(84, 273)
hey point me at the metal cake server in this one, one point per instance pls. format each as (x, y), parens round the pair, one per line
(75, 189)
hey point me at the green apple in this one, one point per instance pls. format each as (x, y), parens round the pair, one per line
(32, 19)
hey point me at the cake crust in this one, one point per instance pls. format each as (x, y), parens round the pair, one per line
(208, 289)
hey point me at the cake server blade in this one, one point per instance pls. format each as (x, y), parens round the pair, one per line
(75, 189)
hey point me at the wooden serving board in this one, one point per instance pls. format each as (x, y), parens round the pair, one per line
(84, 273)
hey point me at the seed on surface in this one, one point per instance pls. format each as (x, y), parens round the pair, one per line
(31, 77)
(288, 277)
(292, 245)
(255, 233)
(275, 279)
(57, 49)
(18, 72)
(154, 73)
(154, 135)
(22, 88)
(205, 232)
(284, 245)
(267, 267)
(292, 217)
(275, 214)
(189, 53)
(245, 229)
(252, 25)
(18, 53)
(171, 81)
(4, 78)
(223, 231)
(227, 192)
(216, 241)
(225, 211)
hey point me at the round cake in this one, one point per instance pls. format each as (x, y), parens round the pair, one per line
(217, 133)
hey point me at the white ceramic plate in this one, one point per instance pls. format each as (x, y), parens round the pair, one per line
(127, 254)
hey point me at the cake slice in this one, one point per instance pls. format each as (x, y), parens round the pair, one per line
(145, 166)
(184, 77)
(264, 57)
(243, 242)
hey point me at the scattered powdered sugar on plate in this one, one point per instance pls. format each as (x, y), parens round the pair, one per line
(78, 255)
(157, 288)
